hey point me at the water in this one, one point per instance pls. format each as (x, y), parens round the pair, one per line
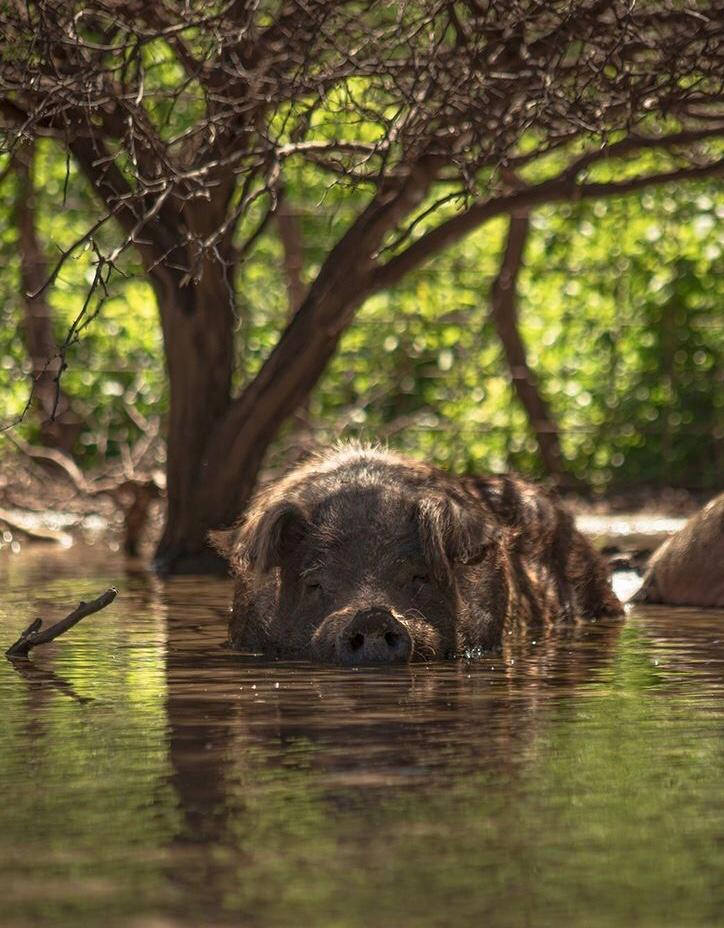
(151, 777)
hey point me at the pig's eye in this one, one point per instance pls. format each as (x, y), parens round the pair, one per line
(313, 587)
(420, 580)
(478, 556)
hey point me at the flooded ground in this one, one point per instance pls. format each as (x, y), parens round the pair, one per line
(152, 778)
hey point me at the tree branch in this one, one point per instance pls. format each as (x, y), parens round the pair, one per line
(33, 636)
(504, 316)
(119, 197)
(560, 189)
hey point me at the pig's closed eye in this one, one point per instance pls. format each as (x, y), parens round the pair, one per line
(477, 557)
(420, 580)
(313, 587)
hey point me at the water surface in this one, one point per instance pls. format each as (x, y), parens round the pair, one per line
(151, 777)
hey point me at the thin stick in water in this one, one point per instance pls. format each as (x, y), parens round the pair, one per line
(33, 636)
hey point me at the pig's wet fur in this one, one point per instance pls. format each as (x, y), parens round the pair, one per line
(363, 556)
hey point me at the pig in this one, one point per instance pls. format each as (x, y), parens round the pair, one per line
(361, 556)
(688, 569)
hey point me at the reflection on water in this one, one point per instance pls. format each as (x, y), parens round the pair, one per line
(152, 777)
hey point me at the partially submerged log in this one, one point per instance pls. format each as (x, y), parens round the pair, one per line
(34, 635)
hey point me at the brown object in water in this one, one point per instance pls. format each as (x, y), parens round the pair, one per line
(136, 497)
(688, 568)
(361, 556)
(33, 636)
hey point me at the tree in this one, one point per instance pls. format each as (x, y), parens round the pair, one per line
(436, 116)
(504, 315)
(59, 424)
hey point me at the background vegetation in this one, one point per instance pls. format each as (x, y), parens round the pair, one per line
(620, 308)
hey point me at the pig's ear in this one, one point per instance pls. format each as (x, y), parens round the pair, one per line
(270, 537)
(453, 532)
(223, 541)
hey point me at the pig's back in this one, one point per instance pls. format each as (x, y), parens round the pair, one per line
(688, 569)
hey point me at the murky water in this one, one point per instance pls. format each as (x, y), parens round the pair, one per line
(152, 778)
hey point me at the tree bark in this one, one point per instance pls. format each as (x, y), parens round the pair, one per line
(197, 323)
(504, 316)
(59, 424)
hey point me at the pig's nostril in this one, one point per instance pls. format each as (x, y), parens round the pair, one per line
(392, 639)
(373, 636)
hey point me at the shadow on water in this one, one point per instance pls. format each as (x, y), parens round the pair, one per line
(153, 777)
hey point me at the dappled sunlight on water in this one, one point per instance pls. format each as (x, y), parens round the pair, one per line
(151, 774)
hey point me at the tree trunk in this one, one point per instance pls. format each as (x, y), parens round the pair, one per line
(197, 323)
(504, 315)
(59, 425)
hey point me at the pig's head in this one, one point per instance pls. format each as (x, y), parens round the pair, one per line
(362, 557)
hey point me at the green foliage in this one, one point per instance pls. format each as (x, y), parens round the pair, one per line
(619, 303)
(630, 354)
(118, 360)
(619, 310)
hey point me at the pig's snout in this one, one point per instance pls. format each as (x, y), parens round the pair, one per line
(374, 636)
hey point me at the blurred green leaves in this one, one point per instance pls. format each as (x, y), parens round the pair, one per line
(620, 305)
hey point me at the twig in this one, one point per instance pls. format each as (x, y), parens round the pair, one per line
(33, 636)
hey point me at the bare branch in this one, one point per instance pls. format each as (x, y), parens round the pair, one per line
(560, 189)
(34, 636)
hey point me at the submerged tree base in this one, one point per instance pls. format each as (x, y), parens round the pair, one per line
(205, 561)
